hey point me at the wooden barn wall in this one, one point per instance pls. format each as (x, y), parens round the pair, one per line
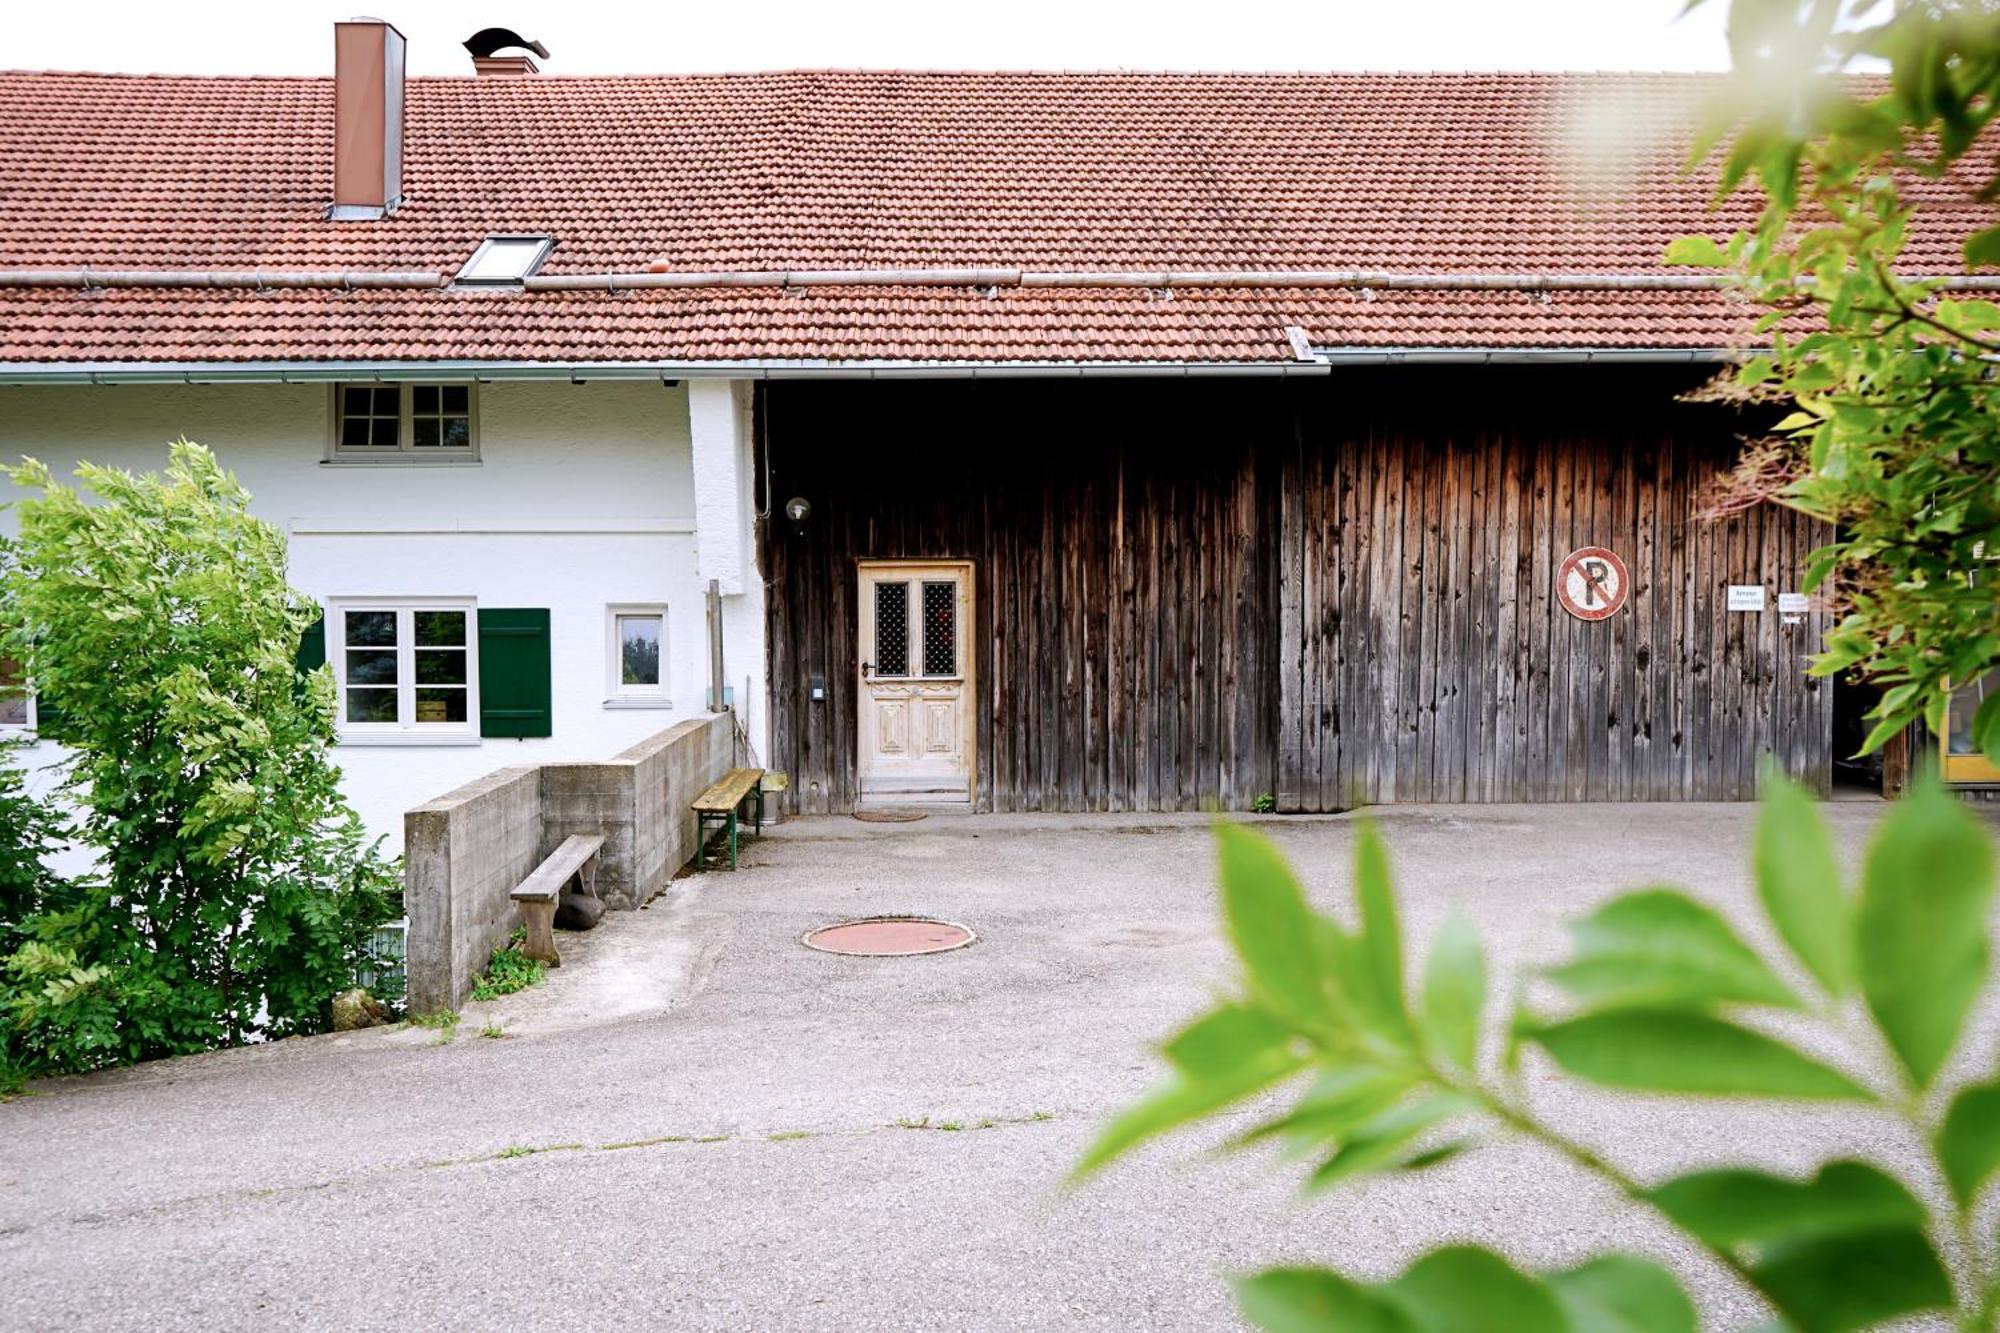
(1424, 656)
(1125, 583)
(1341, 590)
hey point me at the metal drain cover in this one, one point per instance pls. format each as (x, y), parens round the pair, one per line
(888, 937)
(889, 816)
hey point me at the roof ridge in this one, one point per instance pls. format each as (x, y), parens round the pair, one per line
(915, 73)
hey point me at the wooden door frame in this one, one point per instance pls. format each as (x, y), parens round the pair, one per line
(968, 660)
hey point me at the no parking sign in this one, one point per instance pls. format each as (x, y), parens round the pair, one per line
(1592, 583)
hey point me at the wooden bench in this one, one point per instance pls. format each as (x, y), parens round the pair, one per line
(542, 892)
(716, 809)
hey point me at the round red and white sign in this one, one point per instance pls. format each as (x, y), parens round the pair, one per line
(1592, 583)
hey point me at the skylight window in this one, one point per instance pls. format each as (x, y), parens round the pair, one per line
(505, 259)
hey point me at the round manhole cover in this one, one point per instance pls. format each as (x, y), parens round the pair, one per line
(888, 937)
(888, 816)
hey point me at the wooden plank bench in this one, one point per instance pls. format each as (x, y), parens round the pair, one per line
(716, 809)
(541, 892)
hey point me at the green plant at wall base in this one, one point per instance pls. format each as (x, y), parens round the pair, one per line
(507, 971)
(234, 891)
(1895, 433)
(1264, 804)
(1399, 1076)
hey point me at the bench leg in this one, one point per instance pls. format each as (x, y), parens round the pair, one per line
(541, 922)
(732, 840)
(760, 812)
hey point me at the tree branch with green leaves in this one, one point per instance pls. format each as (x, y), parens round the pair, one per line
(1895, 436)
(1397, 1077)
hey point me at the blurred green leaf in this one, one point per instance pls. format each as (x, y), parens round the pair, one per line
(1460, 1288)
(1982, 248)
(1275, 933)
(1696, 252)
(1845, 1250)
(1381, 940)
(1926, 889)
(1667, 1050)
(1620, 1293)
(1334, 1105)
(1800, 885)
(1455, 992)
(1381, 1141)
(1220, 1059)
(1968, 1142)
(1313, 1300)
(1661, 949)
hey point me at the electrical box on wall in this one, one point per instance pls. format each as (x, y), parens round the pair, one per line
(816, 689)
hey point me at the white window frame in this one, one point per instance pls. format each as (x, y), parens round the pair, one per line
(617, 694)
(403, 732)
(406, 453)
(463, 277)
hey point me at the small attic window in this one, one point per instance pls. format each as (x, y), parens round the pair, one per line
(505, 259)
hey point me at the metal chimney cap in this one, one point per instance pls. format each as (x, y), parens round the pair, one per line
(487, 41)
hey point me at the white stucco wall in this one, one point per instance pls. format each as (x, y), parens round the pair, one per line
(584, 496)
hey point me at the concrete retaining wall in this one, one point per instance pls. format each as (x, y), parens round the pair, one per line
(465, 852)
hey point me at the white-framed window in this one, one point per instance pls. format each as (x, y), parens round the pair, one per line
(635, 655)
(504, 260)
(17, 704)
(407, 670)
(405, 423)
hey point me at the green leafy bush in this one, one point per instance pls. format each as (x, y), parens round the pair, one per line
(507, 971)
(1656, 983)
(234, 889)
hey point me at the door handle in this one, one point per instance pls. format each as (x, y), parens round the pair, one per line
(867, 668)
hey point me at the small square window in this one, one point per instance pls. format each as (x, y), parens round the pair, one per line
(636, 656)
(404, 421)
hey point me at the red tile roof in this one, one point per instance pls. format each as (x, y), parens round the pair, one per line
(1409, 173)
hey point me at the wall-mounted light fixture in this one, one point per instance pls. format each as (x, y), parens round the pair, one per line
(798, 509)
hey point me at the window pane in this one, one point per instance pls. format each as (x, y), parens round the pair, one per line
(940, 629)
(371, 666)
(457, 433)
(639, 650)
(426, 436)
(385, 402)
(13, 699)
(892, 629)
(457, 399)
(370, 629)
(440, 629)
(424, 398)
(384, 434)
(354, 433)
(1964, 704)
(354, 402)
(441, 666)
(371, 705)
(440, 704)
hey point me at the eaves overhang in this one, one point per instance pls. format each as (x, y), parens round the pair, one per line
(1322, 361)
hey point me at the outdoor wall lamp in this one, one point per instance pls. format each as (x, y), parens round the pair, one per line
(798, 509)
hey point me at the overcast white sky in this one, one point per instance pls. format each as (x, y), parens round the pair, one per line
(295, 37)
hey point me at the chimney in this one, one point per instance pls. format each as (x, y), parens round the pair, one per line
(367, 119)
(491, 66)
(487, 44)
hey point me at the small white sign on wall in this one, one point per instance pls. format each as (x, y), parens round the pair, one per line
(1746, 597)
(1794, 603)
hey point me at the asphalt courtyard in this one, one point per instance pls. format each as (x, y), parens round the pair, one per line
(697, 1123)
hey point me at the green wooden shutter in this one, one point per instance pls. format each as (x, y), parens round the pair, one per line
(514, 693)
(312, 647)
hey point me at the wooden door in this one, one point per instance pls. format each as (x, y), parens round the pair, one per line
(914, 725)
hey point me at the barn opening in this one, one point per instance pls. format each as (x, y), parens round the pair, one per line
(1198, 593)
